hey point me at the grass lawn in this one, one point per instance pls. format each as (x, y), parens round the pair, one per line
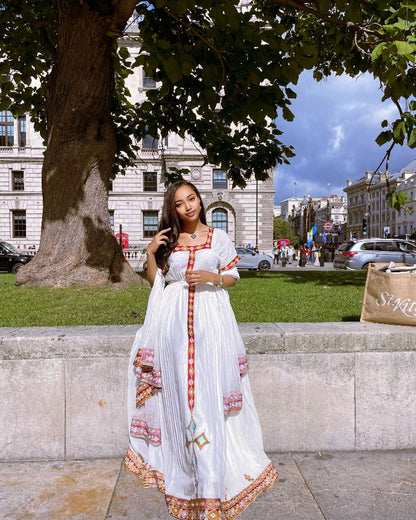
(258, 297)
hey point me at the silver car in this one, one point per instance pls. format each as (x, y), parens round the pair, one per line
(252, 260)
(359, 254)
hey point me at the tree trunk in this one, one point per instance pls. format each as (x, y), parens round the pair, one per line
(77, 245)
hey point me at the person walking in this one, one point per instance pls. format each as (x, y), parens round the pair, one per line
(194, 429)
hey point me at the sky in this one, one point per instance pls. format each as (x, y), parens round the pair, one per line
(336, 123)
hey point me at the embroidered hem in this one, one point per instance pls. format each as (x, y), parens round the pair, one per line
(212, 508)
(135, 463)
(233, 402)
(139, 428)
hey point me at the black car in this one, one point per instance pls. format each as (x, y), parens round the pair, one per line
(11, 259)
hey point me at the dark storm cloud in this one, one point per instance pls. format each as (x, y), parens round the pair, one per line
(334, 131)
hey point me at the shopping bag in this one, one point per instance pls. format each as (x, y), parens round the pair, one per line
(390, 294)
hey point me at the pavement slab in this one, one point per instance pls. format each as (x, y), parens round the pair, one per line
(366, 485)
(76, 490)
(362, 485)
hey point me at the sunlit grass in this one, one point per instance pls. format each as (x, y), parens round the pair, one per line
(301, 296)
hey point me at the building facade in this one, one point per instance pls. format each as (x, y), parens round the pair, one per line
(370, 212)
(135, 198)
(327, 211)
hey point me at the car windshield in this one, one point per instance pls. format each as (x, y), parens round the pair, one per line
(9, 248)
(345, 246)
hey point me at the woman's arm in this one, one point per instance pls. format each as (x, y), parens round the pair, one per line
(158, 240)
(197, 277)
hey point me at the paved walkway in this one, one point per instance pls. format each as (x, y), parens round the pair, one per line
(328, 266)
(310, 486)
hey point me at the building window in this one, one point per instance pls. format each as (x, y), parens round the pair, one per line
(149, 181)
(22, 132)
(111, 212)
(149, 223)
(110, 185)
(150, 143)
(148, 82)
(19, 223)
(18, 180)
(220, 219)
(6, 128)
(219, 179)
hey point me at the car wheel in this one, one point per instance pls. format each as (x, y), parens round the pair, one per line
(264, 265)
(365, 266)
(16, 267)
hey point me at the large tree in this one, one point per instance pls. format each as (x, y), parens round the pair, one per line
(226, 76)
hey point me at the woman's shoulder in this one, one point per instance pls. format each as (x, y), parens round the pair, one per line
(220, 235)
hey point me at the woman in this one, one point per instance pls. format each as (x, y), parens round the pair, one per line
(194, 430)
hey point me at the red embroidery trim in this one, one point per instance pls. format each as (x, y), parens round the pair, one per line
(190, 509)
(231, 264)
(191, 299)
(135, 464)
(232, 403)
(144, 357)
(243, 364)
(191, 337)
(207, 244)
(140, 428)
(143, 392)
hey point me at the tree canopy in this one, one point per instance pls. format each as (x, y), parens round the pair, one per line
(227, 72)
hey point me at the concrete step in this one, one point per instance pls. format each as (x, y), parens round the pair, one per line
(311, 486)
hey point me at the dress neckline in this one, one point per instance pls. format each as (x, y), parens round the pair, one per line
(205, 245)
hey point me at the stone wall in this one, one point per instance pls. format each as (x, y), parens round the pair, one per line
(317, 386)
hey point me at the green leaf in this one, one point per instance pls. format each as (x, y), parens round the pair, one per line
(404, 48)
(384, 137)
(411, 141)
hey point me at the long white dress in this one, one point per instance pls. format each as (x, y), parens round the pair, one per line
(194, 429)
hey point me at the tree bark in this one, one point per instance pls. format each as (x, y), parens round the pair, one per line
(77, 244)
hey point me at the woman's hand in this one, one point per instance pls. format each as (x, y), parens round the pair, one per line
(193, 278)
(160, 239)
(197, 277)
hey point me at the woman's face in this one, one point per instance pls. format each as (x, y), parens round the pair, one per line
(187, 203)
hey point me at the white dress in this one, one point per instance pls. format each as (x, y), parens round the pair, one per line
(194, 429)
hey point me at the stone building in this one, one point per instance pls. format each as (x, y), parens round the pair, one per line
(367, 203)
(135, 198)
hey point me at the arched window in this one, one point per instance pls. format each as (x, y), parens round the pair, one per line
(220, 219)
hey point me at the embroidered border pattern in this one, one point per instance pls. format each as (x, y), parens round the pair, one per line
(143, 392)
(144, 357)
(151, 478)
(191, 337)
(231, 264)
(237, 504)
(139, 428)
(243, 364)
(232, 403)
(153, 378)
(191, 509)
(191, 299)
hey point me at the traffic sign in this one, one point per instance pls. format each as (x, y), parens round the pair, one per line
(328, 226)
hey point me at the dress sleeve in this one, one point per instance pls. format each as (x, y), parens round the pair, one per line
(228, 258)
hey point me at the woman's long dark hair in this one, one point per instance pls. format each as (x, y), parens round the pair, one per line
(170, 219)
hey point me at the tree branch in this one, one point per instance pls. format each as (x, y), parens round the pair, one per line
(202, 38)
(123, 10)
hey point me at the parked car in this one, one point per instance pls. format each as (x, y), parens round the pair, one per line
(11, 259)
(252, 260)
(359, 254)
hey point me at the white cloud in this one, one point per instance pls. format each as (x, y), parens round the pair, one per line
(337, 138)
(334, 131)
